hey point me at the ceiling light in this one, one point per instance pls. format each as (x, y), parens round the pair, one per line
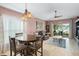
(26, 15)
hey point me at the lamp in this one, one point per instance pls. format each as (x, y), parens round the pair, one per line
(26, 15)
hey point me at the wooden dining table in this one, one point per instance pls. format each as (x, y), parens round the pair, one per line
(27, 41)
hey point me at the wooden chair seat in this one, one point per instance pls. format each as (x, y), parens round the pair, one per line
(20, 47)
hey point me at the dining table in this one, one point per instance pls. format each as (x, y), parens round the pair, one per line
(27, 41)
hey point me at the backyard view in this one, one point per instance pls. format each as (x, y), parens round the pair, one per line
(61, 29)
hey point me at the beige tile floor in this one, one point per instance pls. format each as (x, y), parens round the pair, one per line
(53, 50)
(72, 49)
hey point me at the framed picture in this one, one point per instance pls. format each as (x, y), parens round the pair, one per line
(39, 25)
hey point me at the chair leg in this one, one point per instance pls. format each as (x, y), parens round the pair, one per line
(41, 51)
(10, 52)
(35, 52)
(21, 52)
(25, 52)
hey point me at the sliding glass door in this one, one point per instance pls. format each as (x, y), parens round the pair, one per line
(61, 29)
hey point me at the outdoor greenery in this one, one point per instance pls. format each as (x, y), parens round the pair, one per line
(61, 29)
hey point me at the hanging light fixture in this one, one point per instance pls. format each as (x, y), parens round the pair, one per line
(26, 15)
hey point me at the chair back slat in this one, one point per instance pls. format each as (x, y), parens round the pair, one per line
(12, 44)
(18, 34)
(39, 43)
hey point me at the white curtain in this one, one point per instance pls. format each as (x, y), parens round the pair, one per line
(11, 26)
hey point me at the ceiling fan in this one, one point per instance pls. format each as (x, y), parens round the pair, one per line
(57, 16)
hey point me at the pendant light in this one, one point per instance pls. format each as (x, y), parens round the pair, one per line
(26, 15)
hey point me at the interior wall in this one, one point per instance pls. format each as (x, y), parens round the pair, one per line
(52, 29)
(9, 12)
(74, 27)
(31, 25)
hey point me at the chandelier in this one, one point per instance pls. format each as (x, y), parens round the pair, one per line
(26, 15)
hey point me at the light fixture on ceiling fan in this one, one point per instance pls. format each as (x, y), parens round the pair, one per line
(56, 16)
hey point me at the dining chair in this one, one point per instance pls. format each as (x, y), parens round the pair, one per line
(37, 46)
(43, 35)
(16, 48)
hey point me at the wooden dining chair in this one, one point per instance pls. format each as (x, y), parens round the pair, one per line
(37, 46)
(16, 48)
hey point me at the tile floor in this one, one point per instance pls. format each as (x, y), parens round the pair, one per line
(72, 48)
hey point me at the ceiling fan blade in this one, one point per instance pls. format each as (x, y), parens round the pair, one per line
(58, 16)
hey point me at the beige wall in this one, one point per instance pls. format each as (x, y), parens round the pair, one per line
(31, 25)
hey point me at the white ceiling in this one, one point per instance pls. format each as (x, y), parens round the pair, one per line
(20, 7)
(45, 11)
